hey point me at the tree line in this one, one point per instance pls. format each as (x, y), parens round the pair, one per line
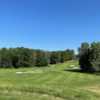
(89, 57)
(25, 57)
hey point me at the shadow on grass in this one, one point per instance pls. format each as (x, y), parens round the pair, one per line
(81, 71)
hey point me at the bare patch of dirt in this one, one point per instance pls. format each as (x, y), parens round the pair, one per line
(95, 88)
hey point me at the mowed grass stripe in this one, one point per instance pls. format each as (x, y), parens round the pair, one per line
(18, 95)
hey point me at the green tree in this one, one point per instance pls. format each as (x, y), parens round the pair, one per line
(89, 57)
(95, 56)
(41, 58)
(84, 53)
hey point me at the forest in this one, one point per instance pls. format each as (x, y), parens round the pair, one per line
(88, 55)
(25, 57)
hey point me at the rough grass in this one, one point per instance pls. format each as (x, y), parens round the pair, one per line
(49, 83)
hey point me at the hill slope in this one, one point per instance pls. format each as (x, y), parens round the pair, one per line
(49, 83)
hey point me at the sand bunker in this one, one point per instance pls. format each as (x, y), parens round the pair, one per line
(29, 72)
(72, 65)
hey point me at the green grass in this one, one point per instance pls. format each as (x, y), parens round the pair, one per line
(49, 83)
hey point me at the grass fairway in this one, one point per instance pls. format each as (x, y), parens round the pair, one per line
(49, 83)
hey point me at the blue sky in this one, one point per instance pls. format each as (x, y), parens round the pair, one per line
(49, 24)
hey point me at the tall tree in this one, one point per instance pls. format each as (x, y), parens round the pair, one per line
(84, 56)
